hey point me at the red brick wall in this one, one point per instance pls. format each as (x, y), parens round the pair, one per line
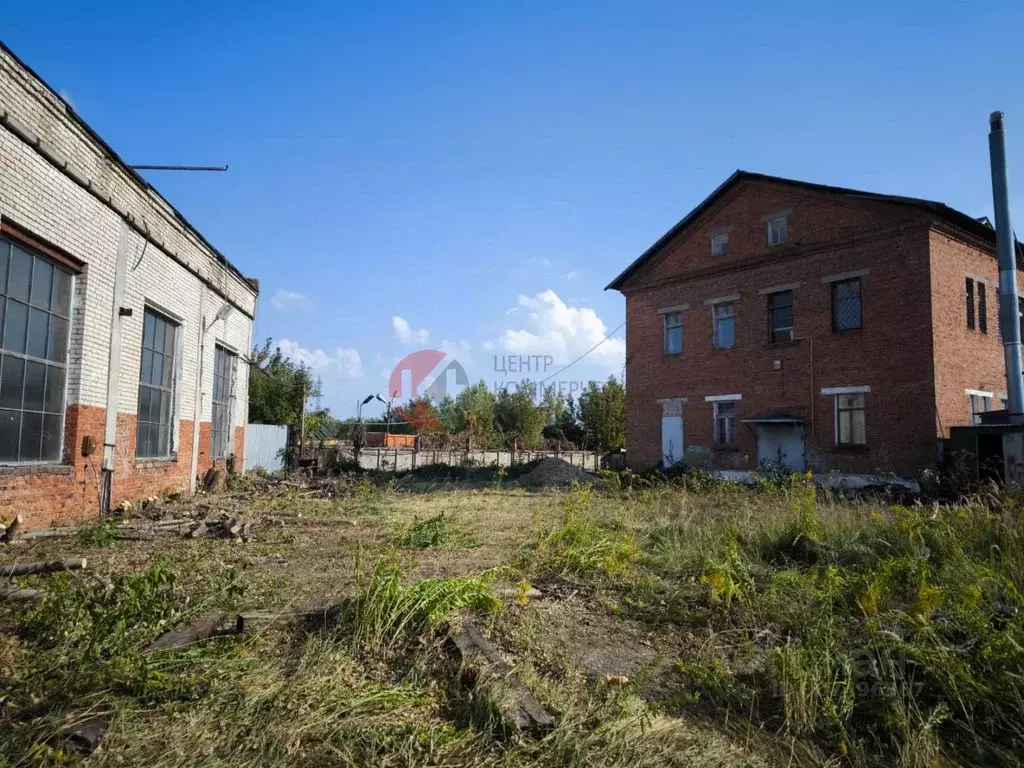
(69, 493)
(891, 353)
(964, 358)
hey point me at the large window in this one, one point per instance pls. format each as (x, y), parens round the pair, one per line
(724, 334)
(778, 230)
(851, 425)
(673, 344)
(156, 387)
(846, 308)
(780, 316)
(720, 244)
(981, 402)
(35, 309)
(223, 393)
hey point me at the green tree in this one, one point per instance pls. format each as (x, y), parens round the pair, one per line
(474, 413)
(602, 414)
(518, 419)
(276, 386)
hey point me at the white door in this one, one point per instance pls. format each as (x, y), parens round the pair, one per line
(781, 444)
(671, 440)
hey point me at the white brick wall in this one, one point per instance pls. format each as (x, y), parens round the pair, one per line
(169, 275)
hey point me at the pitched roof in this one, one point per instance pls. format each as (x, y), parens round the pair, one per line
(979, 227)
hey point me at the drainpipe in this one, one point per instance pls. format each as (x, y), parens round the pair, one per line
(114, 370)
(1009, 309)
(197, 401)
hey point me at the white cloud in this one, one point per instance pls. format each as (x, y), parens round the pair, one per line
(290, 301)
(564, 332)
(345, 362)
(460, 350)
(572, 274)
(405, 333)
(487, 344)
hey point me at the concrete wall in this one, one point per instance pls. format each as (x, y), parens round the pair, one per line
(62, 185)
(401, 460)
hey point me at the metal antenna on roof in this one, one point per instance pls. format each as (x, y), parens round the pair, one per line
(178, 167)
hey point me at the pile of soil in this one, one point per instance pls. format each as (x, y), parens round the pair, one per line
(550, 472)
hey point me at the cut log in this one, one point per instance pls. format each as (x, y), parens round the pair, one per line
(20, 594)
(87, 735)
(255, 622)
(188, 634)
(482, 664)
(49, 533)
(199, 530)
(12, 529)
(514, 593)
(213, 480)
(24, 569)
(235, 529)
(247, 531)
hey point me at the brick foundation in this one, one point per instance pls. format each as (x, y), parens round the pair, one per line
(69, 493)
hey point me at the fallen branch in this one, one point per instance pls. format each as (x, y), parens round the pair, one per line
(255, 622)
(49, 533)
(181, 637)
(21, 594)
(25, 569)
(481, 663)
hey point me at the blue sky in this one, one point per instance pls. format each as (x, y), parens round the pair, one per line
(481, 171)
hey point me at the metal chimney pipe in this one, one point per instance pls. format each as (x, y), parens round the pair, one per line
(1008, 306)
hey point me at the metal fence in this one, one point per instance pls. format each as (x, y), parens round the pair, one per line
(264, 446)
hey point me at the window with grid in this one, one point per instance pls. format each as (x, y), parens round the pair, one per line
(724, 334)
(673, 344)
(156, 387)
(780, 316)
(851, 426)
(720, 244)
(980, 404)
(778, 230)
(223, 392)
(725, 422)
(969, 296)
(846, 308)
(35, 310)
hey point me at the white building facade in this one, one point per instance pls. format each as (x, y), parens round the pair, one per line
(123, 333)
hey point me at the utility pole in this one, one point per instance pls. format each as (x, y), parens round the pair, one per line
(302, 423)
(1009, 304)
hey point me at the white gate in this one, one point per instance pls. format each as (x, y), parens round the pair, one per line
(264, 446)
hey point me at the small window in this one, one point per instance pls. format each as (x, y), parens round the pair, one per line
(850, 422)
(156, 387)
(846, 308)
(224, 369)
(725, 422)
(724, 335)
(980, 404)
(970, 303)
(982, 308)
(778, 230)
(673, 333)
(720, 244)
(780, 316)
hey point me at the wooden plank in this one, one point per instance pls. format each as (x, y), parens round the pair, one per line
(254, 622)
(482, 663)
(181, 637)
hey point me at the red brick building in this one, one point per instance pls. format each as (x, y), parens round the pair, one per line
(820, 327)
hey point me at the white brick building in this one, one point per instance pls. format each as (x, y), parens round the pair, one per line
(121, 327)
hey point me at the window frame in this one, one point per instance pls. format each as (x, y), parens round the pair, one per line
(981, 291)
(167, 451)
(715, 320)
(833, 289)
(839, 410)
(978, 397)
(55, 354)
(223, 399)
(728, 421)
(784, 229)
(668, 326)
(771, 317)
(720, 244)
(969, 299)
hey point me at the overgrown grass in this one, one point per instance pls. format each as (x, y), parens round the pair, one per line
(435, 532)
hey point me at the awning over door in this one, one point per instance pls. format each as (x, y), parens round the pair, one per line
(774, 418)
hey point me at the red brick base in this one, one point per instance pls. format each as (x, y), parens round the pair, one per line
(69, 492)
